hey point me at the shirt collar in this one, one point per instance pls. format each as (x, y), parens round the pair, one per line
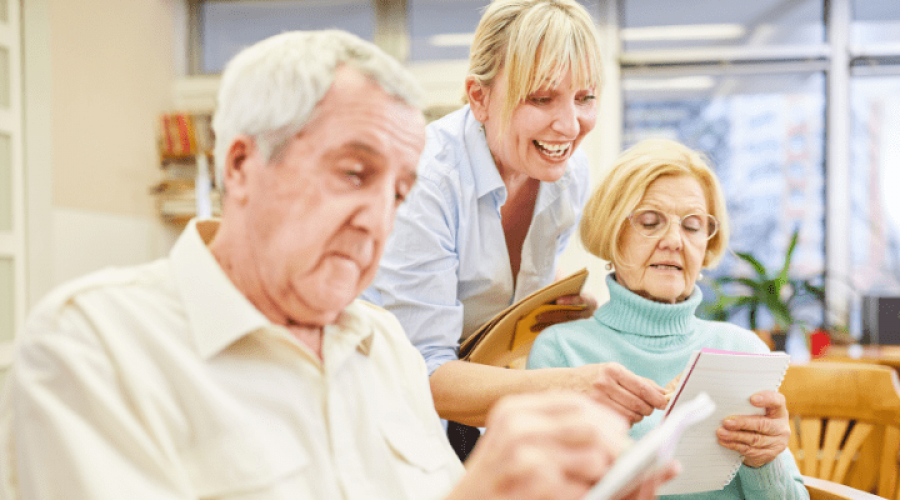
(487, 180)
(217, 311)
(350, 331)
(219, 314)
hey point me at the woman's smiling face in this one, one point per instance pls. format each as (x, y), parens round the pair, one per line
(543, 131)
(664, 268)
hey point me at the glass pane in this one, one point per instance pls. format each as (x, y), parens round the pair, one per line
(4, 78)
(874, 180)
(443, 29)
(662, 24)
(5, 184)
(227, 27)
(875, 21)
(764, 138)
(7, 298)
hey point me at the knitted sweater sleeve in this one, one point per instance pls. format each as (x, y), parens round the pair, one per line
(778, 479)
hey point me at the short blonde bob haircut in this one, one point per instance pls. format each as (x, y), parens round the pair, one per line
(606, 213)
(535, 42)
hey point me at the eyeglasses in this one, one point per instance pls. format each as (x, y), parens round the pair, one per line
(652, 223)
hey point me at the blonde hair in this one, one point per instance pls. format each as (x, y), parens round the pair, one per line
(623, 188)
(535, 42)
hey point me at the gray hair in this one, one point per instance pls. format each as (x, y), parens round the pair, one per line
(270, 89)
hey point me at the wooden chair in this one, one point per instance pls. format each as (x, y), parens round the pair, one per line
(845, 424)
(820, 489)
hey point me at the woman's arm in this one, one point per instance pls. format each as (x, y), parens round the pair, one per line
(465, 392)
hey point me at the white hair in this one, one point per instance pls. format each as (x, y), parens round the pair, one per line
(269, 90)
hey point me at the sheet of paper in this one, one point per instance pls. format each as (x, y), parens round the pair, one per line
(652, 451)
(729, 379)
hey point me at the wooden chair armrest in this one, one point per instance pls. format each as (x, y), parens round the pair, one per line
(820, 489)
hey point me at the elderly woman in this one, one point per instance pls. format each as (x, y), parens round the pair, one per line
(659, 218)
(501, 186)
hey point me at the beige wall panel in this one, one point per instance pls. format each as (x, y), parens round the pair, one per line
(88, 240)
(112, 66)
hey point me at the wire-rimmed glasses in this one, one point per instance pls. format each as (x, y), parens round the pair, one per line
(652, 223)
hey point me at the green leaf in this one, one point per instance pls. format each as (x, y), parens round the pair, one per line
(755, 286)
(783, 275)
(780, 312)
(741, 301)
(757, 265)
(816, 291)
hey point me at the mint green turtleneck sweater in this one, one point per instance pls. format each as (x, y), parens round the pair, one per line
(655, 340)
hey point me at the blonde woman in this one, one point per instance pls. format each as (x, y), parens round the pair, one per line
(501, 186)
(660, 218)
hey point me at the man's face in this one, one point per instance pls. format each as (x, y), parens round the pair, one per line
(319, 213)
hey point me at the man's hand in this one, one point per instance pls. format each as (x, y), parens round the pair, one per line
(546, 446)
(647, 489)
(758, 438)
(612, 384)
(549, 318)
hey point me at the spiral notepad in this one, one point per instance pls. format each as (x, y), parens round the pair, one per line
(651, 452)
(730, 378)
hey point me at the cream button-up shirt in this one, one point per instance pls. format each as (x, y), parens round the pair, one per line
(163, 382)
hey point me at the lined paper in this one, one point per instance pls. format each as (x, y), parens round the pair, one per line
(730, 379)
(651, 452)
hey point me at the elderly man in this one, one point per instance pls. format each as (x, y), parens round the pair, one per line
(241, 367)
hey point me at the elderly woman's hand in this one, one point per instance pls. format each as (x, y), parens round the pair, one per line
(671, 387)
(615, 386)
(758, 438)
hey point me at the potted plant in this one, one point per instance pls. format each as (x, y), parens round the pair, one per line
(776, 292)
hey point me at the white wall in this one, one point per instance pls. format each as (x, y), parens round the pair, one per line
(91, 240)
(98, 73)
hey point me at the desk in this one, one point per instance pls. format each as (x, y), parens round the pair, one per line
(888, 355)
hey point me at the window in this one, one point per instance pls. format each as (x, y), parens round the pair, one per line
(876, 23)
(660, 24)
(441, 30)
(874, 180)
(763, 134)
(225, 27)
(793, 100)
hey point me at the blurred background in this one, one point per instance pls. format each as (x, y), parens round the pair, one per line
(796, 103)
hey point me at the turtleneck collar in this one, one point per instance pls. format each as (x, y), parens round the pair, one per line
(628, 312)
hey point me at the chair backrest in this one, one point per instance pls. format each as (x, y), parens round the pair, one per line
(845, 424)
(821, 489)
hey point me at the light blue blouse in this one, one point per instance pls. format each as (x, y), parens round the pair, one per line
(445, 269)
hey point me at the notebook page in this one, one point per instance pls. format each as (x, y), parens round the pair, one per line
(729, 379)
(651, 452)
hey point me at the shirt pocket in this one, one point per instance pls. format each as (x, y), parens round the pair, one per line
(413, 444)
(234, 466)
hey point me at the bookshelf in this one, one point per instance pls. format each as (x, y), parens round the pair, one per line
(187, 186)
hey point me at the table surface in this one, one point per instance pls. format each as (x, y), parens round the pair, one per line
(881, 354)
